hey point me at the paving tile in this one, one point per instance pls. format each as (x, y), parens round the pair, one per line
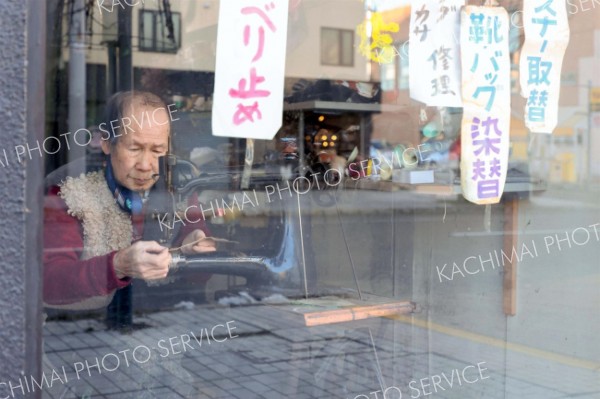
(275, 357)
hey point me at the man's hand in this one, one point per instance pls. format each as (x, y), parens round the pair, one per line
(191, 245)
(144, 259)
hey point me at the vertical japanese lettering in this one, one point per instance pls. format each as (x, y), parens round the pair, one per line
(486, 101)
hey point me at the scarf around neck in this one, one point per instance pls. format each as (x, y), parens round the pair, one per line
(129, 201)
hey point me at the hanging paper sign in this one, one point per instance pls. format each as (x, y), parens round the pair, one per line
(546, 39)
(434, 52)
(250, 69)
(486, 103)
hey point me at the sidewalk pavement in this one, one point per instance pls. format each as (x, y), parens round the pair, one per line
(270, 354)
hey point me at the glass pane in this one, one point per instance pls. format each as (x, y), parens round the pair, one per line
(347, 48)
(147, 34)
(403, 66)
(388, 76)
(176, 31)
(330, 46)
(162, 42)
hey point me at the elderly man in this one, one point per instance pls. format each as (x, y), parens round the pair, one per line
(94, 223)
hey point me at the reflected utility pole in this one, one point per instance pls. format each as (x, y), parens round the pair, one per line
(77, 94)
(119, 313)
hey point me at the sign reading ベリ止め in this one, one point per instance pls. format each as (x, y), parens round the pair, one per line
(250, 65)
(546, 39)
(486, 103)
(434, 52)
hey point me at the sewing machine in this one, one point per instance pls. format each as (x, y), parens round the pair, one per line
(272, 257)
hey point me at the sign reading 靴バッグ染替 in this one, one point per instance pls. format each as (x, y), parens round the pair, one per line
(434, 52)
(546, 38)
(250, 69)
(486, 103)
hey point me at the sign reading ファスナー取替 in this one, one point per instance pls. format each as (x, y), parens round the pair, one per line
(546, 39)
(486, 103)
(434, 52)
(250, 68)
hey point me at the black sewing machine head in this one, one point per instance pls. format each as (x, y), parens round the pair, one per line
(269, 257)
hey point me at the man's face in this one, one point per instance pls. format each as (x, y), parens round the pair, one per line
(134, 157)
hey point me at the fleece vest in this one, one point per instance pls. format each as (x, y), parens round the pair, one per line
(106, 227)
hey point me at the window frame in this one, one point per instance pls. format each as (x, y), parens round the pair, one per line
(340, 33)
(154, 48)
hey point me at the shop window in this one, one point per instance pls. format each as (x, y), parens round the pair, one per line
(159, 32)
(337, 47)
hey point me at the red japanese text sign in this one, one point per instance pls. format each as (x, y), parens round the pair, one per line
(250, 68)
